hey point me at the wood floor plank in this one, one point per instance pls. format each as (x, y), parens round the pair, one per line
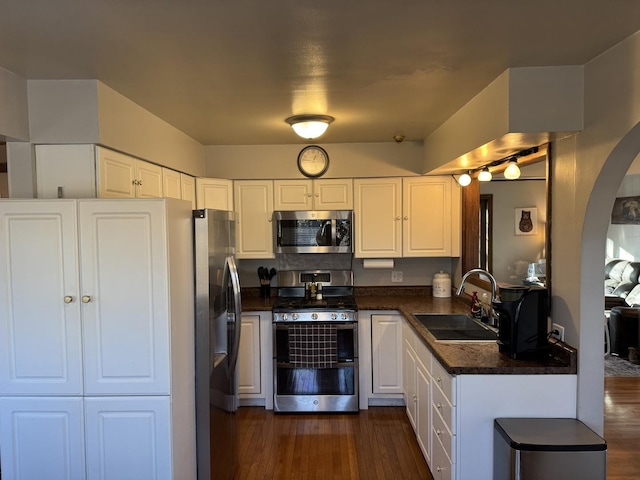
(374, 444)
(622, 427)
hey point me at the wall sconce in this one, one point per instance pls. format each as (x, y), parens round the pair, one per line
(309, 126)
(512, 171)
(484, 175)
(464, 179)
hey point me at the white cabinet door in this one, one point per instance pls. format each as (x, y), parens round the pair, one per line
(333, 194)
(124, 295)
(324, 194)
(42, 438)
(128, 437)
(249, 378)
(171, 183)
(423, 409)
(409, 383)
(386, 354)
(40, 326)
(426, 217)
(378, 220)
(216, 193)
(149, 180)
(65, 171)
(116, 177)
(293, 195)
(254, 206)
(188, 189)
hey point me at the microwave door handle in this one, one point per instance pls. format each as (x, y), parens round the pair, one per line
(237, 304)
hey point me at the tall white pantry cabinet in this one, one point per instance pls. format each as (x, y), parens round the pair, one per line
(96, 339)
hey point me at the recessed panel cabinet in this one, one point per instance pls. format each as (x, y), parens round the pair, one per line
(254, 210)
(215, 193)
(407, 217)
(319, 194)
(96, 337)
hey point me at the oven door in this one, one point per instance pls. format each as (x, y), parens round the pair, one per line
(315, 367)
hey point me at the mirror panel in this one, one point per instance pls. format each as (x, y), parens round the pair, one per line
(517, 242)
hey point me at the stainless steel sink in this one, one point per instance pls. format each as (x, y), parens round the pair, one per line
(455, 328)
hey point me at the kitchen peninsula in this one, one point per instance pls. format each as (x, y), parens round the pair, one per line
(452, 391)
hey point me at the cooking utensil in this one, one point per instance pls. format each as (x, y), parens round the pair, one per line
(272, 273)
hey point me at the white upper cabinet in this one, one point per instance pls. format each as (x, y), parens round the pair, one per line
(215, 193)
(171, 183)
(378, 217)
(407, 217)
(320, 194)
(254, 210)
(188, 189)
(122, 176)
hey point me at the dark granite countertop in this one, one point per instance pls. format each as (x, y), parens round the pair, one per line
(457, 358)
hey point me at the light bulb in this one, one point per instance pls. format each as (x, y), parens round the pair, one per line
(484, 175)
(512, 171)
(464, 179)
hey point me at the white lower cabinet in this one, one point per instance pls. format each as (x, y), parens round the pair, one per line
(42, 437)
(453, 415)
(254, 360)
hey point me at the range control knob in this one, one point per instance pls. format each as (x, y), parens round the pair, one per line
(334, 316)
(284, 317)
(294, 316)
(344, 316)
(314, 316)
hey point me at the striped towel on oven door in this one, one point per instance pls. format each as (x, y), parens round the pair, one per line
(313, 345)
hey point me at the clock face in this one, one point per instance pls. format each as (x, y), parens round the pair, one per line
(313, 161)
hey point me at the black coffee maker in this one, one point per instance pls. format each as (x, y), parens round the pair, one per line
(522, 321)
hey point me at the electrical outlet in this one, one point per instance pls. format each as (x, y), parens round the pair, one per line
(396, 276)
(560, 329)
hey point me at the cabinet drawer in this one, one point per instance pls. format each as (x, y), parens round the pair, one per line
(441, 404)
(441, 465)
(443, 380)
(442, 432)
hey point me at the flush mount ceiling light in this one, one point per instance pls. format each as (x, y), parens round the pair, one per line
(464, 179)
(309, 126)
(484, 175)
(512, 171)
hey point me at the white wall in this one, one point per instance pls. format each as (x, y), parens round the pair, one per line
(14, 119)
(346, 160)
(587, 172)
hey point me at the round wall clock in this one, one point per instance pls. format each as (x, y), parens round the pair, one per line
(313, 161)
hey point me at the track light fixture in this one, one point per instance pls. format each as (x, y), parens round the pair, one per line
(485, 175)
(512, 171)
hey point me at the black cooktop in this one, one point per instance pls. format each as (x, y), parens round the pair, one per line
(327, 303)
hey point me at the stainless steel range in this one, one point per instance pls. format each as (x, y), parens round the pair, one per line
(315, 342)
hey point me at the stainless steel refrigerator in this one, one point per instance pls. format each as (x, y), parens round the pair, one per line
(217, 329)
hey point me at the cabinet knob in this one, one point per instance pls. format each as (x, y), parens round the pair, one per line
(68, 299)
(317, 194)
(308, 194)
(86, 299)
(439, 380)
(438, 432)
(406, 217)
(438, 406)
(438, 469)
(398, 217)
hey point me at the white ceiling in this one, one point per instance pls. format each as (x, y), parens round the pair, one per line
(230, 71)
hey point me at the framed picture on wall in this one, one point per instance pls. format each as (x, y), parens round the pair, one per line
(526, 221)
(626, 211)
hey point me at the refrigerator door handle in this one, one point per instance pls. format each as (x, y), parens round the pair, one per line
(237, 304)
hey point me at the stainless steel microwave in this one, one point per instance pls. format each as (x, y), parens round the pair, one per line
(313, 231)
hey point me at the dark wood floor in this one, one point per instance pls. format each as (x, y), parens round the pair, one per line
(622, 427)
(373, 444)
(379, 443)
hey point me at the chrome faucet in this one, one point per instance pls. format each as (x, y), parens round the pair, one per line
(494, 285)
